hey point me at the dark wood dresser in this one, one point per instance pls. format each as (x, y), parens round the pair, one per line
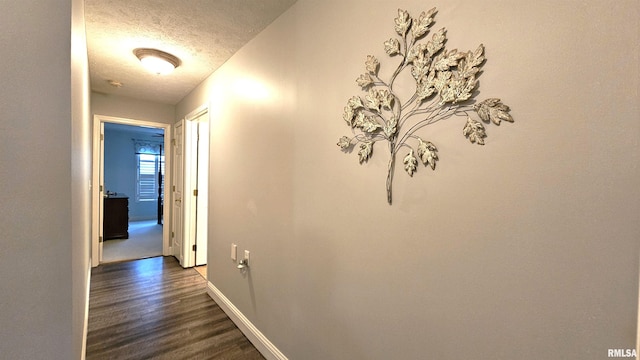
(116, 217)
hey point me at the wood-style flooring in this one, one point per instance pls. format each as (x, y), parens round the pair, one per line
(155, 309)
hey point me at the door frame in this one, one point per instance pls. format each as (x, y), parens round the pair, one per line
(177, 191)
(97, 189)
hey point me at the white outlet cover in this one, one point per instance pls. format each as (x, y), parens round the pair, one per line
(234, 252)
(246, 255)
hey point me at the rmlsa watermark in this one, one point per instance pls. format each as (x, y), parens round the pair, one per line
(622, 353)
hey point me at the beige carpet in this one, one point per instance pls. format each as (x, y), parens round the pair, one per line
(145, 240)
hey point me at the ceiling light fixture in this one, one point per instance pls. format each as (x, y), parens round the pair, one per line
(156, 61)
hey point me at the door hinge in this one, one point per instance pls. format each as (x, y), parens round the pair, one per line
(174, 188)
(100, 188)
(194, 247)
(173, 234)
(173, 142)
(195, 192)
(102, 137)
(100, 239)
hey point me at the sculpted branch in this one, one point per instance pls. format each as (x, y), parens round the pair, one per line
(445, 81)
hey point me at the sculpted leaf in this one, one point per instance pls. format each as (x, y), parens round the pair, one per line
(466, 71)
(410, 163)
(427, 153)
(470, 64)
(415, 51)
(476, 58)
(369, 124)
(372, 65)
(447, 94)
(348, 115)
(424, 90)
(436, 43)
(386, 99)
(461, 89)
(366, 148)
(392, 46)
(474, 131)
(493, 110)
(379, 98)
(372, 100)
(453, 88)
(403, 22)
(355, 102)
(441, 82)
(360, 119)
(421, 26)
(447, 59)
(466, 91)
(420, 67)
(437, 64)
(364, 81)
(344, 143)
(391, 127)
(426, 86)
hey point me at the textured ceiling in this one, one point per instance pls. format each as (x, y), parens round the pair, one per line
(202, 33)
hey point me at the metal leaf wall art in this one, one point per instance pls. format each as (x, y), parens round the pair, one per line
(445, 87)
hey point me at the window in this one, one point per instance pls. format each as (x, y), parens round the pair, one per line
(150, 173)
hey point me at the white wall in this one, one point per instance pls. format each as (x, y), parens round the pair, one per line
(44, 164)
(525, 248)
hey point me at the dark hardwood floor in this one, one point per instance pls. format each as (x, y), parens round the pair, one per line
(155, 309)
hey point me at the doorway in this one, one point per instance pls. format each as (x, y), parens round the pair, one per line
(128, 212)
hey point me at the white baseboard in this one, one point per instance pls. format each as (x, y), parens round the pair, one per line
(266, 348)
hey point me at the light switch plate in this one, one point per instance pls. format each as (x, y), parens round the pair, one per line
(246, 256)
(234, 252)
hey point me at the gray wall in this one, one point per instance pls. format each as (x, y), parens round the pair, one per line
(80, 181)
(526, 247)
(128, 108)
(44, 162)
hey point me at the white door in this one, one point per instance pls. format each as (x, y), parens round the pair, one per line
(178, 190)
(196, 181)
(190, 191)
(202, 208)
(101, 195)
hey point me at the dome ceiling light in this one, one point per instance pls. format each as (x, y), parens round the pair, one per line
(157, 61)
